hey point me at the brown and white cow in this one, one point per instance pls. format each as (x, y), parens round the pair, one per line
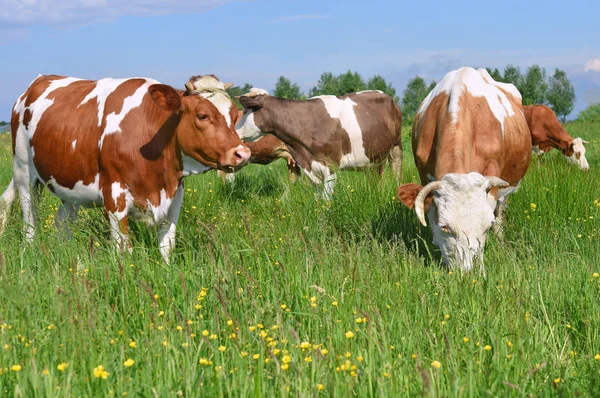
(472, 147)
(547, 133)
(352, 131)
(124, 144)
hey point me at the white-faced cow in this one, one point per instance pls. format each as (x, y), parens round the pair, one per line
(124, 144)
(472, 147)
(547, 133)
(352, 131)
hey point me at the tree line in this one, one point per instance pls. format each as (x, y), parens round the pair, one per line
(535, 85)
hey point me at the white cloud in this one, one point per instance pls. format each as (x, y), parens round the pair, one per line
(52, 12)
(593, 65)
(292, 18)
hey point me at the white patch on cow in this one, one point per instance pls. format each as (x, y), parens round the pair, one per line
(321, 174)
(344, 110)
(42, 103)
(536, 150)
(73, 144)
(222, 102)
(578, 156)
(159, 213)
(230, 178)
(463, 208)
(121, 240)
(370, 91)
(113, 120)
(166, 233)
(116, 192)
(101, 91)
(246, 129)
(81, 194)
(192, 166)
(478, 83)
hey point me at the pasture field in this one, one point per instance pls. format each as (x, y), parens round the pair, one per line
(272, 292)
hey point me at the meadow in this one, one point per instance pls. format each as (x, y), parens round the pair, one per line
(273, 292)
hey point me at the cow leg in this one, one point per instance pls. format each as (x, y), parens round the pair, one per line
(117, 202)
(67, 214)
(396, 162)
(24, 180)
(167, 228)
(119, 230)
(29, 194)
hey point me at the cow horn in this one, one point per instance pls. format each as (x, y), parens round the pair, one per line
(420, 200)
(497, 182)
(190, 87)
(227, 85)
(584, 141)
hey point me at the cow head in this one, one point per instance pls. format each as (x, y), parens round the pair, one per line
(206, 126)
(253, 103)
(575, 153)
(460, 210)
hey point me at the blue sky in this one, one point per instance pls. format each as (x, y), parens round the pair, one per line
(257, 41)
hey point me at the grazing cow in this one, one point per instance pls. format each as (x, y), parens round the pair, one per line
(267, 150)
(472, 147)
(547, 133)
(352, 131)
(124, 144)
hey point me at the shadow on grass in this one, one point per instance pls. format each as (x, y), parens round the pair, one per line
(247, 185)
(397, 223)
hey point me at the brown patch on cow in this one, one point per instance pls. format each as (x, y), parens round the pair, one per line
(473, 143)
(546, 131)
(380, 120)
(14, 125)
(55, 133)
(407, 194)
(38, 87)
(26, 118)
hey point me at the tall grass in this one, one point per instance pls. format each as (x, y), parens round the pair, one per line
(306, 297)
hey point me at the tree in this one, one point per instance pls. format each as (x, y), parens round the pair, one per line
(561, 94)
(512, 74)
(378, 83)
(3, 123)
(285, 89)
(495, 74)
(534, 86)
(431, 86)
(350, 82)
(237, 90)
(327, 84)
(590, 114)
(414, 93)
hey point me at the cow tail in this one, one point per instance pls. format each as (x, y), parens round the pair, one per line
(7, 198)
(396, 152)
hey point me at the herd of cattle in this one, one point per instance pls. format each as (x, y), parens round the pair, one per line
(127, 144)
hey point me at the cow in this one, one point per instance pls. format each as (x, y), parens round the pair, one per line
(547, 133)
(123, 144)
(352, 131)
(265, 151)
(471, 146)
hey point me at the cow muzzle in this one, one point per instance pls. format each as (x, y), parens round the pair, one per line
(235, 158)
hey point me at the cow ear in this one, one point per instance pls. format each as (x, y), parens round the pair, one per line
(166, 97)
(252, 102)
(407, 194)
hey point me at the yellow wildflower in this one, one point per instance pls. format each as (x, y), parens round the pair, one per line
(62, 366)
(436, 364)
(222, 348)
(349, 334)
(255, 356)
(132, 344)
(129, 362)
(100, 372)
(487, 347)
(15, 368)
(320, 387)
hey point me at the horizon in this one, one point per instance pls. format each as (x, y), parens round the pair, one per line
(257, 41)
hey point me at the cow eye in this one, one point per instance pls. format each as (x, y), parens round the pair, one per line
(445, 228)
(202, 116)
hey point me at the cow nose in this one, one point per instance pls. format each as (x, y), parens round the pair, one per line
(237, 157)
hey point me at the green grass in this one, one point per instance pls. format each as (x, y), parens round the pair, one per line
(267, 261)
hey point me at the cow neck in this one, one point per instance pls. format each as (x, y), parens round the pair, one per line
(450, 157)
(273, 119)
